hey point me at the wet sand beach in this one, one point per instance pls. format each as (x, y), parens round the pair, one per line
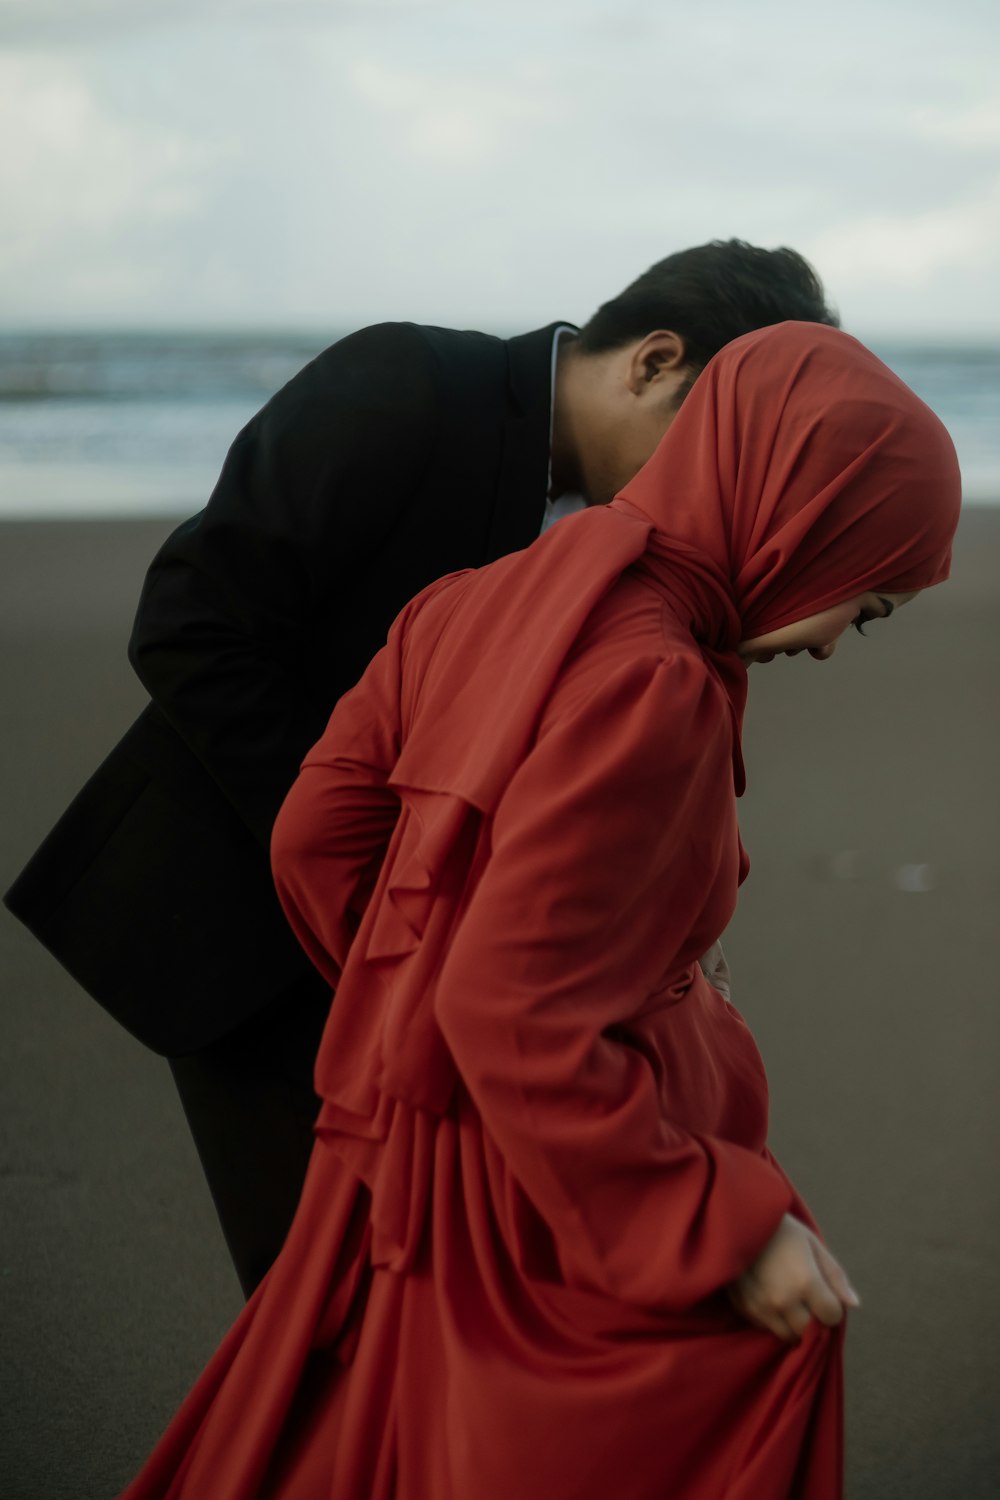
(861, 957)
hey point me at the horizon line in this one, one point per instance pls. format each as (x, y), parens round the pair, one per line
(334, 330)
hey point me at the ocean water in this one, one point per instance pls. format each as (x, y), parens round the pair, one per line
(139, 424)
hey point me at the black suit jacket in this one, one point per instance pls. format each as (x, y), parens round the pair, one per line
(398, 455)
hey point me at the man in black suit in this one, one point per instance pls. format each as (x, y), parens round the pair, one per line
(398, 455)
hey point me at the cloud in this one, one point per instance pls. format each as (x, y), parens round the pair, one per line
(912, 248)
(447, 119)
(298, 161)
(78, 182)
(59, 22)
(973, 127)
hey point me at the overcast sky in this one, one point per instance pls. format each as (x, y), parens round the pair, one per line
(494, 163)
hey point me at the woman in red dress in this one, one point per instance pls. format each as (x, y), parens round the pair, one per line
(542, 1249)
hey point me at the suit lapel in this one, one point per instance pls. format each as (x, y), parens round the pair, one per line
(524, 463)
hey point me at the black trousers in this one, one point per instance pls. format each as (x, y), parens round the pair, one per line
(250, 1103)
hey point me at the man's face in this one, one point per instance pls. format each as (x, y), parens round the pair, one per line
(631, 434)
(619, 403)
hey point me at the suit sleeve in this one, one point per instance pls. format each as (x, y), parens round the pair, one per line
(226, 626)
(603, 851)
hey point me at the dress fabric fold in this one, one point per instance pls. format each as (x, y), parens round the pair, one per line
(540, 1153)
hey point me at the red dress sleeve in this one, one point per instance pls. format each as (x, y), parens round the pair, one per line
(610, 844)
(334, 827)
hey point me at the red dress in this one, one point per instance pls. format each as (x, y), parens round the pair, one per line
(541, 1153)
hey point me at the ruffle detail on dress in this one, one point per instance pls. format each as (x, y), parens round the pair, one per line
(431, 825)
(427, 886)
(384, 1072)
(671, 992)
(393, 1155)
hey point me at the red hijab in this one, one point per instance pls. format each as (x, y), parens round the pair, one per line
(799, 473)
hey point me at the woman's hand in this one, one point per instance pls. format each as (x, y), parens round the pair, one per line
(793, 1279)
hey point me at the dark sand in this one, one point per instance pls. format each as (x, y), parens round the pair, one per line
(875, 1007)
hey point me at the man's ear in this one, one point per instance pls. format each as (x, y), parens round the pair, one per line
(659, 353)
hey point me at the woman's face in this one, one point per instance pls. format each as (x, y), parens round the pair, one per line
(819, 634)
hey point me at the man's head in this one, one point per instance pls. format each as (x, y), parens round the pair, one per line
(621, 382)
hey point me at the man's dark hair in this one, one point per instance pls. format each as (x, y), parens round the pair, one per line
(710, 295)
